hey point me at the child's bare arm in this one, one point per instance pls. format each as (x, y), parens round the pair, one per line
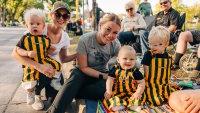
(140, 89)
(26, 53)
(109, 85)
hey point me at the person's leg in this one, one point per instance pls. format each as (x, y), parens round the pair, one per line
(181, 47)
(196, 71)
(91, 91)
(144, 40)
(126, 38)
(38, 104)
(68, 91)
(91, 106)
(198, 63)
(50, 92)
(94, 89)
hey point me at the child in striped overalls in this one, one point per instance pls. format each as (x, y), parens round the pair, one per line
(35, 45)
(125, 84)
(157, 68)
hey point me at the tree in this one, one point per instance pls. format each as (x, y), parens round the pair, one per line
(13, 9)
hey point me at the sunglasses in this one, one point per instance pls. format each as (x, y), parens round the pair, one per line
(165, 2)
(130, 9)
(64, 16)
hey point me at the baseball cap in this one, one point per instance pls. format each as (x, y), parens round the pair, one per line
(164, 1)
(60, 5)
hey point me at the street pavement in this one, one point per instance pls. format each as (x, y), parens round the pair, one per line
(12, 96)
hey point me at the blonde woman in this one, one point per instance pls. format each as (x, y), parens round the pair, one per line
(88, 81)
(59, 41)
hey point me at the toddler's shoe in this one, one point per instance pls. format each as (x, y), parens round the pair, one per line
(38, 104)
(30, 98)
(55, 83)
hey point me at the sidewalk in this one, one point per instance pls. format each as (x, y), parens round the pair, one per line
(12, 95)
(17, 101)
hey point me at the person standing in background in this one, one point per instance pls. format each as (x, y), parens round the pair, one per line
(145, 8)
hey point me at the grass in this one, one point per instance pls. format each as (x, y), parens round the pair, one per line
(73, 43)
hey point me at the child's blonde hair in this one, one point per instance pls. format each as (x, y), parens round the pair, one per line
(126, 47)
(33, 12)
(159, 33)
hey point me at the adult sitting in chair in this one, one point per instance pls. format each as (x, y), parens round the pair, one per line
(131, 25)
(169, 18)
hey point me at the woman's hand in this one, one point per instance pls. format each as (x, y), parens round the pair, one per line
(192, 102)
(51, 50)
(46, 69)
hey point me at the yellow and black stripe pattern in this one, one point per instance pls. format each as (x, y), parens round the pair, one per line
(123, 88)
(40, 44)
(157, 81)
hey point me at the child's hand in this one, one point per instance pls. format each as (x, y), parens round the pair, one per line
(108, 95)
(32, 54)
(47, 70)
(136, 96)
(51, 50)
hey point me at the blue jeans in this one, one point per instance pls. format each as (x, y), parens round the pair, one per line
(91, 106)
(144, 41)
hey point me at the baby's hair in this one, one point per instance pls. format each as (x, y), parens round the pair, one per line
(33, 11)
(159, 33)
(126, 47)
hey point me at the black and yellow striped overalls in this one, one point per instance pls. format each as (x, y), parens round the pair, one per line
(123, 88)
(157, 88)
(40, 44)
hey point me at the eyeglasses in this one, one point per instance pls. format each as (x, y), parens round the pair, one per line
(64, 16)
(130, 9)
(165, 2)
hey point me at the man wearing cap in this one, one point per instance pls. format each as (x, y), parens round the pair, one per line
(169, 18)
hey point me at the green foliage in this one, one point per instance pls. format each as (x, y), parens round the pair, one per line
(14, 8)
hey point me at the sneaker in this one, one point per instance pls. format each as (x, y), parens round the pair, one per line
(38, 104)
(55, 83)
(30, 98)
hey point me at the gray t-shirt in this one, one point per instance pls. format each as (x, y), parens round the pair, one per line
(98, 55)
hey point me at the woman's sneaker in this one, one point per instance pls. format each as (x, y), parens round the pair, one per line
(38, 104)
(30, 98)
